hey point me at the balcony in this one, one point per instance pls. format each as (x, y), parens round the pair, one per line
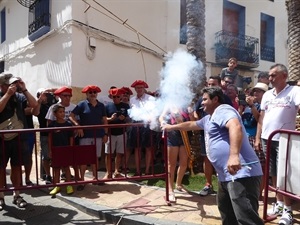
(267, 53)
(39, 19)
(242, 47)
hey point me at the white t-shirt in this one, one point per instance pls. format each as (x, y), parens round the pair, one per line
(68, 110)
(142, 108)
(140, 102)
(280, 110)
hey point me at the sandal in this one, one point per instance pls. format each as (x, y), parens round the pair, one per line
(19, 201)
(2, 204)
(172, 198)
(117, 175)
(181, 188)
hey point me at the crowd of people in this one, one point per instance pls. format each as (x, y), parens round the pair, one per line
(234, 128)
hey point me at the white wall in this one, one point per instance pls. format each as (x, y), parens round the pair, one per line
(60, 58)
(16, 27)
(114, 64)
(42, 63)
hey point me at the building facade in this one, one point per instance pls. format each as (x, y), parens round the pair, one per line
(104, 42)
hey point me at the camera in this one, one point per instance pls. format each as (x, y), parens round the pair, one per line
(19, 89)
(122, 112)
(247, 80)
(242, 99)
(119, 113)
(51, 98)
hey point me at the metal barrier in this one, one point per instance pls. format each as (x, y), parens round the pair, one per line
(289, 145)
(81, 155)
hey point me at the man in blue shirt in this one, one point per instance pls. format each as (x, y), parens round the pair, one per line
(238, 167)
(116, 114)
(90, 112)
(213, 81)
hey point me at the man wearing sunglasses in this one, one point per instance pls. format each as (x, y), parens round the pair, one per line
(140, 137)
(116, 114)
(90, 112)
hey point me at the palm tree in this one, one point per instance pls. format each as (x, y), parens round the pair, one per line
(195, 17)
(293, 10)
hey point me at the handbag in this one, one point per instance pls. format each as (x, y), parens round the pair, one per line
(12, 123)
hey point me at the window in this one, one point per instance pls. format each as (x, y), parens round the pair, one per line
(267, 34)
(234, 18)
(39, 19)
(1, 66)
(183, 26)
(3, 25)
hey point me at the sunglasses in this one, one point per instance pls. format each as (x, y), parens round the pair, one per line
(67, 96)
(228, 82)
(92, 92)
(116, 96)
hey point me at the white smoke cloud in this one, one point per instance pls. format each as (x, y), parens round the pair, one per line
(180, 73)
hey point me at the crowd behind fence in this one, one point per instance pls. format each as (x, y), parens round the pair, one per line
(73, 156)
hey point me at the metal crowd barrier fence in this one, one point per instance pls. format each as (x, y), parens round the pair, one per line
(288, 168)
(77, 155)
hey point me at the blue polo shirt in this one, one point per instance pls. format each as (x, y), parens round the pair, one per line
(90, 115)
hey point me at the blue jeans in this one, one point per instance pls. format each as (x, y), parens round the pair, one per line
(238, 201)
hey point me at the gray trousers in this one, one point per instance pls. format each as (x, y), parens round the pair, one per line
(238, 201)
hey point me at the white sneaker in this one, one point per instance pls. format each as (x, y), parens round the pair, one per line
(286, 218)
(275, 210)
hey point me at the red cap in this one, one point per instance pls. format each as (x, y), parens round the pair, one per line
(91, 88)
(116, 91)
(127, 90)
(63, 89)
(139, 82)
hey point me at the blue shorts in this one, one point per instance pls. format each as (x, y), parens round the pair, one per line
(174, 138)
(31, 142)
(44, 148)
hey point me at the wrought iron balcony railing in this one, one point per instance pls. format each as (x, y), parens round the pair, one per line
(39, 19)
(267, 53)
(242, 47)
(42, 20)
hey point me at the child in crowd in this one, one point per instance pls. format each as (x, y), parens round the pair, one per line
(230, 71)
(60, 138)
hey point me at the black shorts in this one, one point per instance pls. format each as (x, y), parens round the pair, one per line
(139, 137)
(12, 151)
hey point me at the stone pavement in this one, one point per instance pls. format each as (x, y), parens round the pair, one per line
(124, 202)
(132, 203)
(42, 210)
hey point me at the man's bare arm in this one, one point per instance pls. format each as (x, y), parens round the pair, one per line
(235, 141)
(185, 126)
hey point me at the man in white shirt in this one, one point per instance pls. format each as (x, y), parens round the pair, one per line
(279, 107)
(138, 104)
